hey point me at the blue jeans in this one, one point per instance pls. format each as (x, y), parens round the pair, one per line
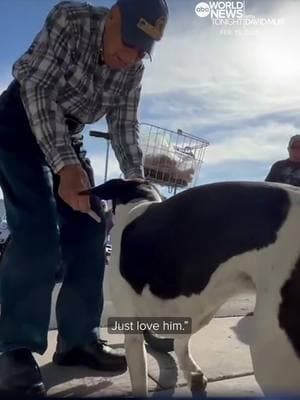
(43, 229)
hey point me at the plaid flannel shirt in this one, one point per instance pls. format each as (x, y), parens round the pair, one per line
(60, 76)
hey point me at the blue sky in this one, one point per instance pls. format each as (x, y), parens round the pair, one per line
(239, 92)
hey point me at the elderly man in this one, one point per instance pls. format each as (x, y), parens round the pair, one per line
(287, 171)
(85, 63)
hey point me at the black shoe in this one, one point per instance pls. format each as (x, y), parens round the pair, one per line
(20, 374)
(96, 355)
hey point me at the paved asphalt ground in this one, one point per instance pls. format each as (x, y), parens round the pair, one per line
(221, 349)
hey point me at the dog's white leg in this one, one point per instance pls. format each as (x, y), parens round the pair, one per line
(192, 372)
(137, 363)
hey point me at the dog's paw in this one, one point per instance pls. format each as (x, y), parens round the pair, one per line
(198, 381)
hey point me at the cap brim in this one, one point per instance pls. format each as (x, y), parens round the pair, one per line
(138, 40)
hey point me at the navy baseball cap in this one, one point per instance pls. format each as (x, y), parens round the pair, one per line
(143, 22)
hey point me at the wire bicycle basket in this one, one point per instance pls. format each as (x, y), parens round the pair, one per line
(171, 158)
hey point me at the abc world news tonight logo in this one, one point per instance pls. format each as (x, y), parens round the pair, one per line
(221, 9)
(232, 13)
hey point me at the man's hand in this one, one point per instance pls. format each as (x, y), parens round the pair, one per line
(74, 179)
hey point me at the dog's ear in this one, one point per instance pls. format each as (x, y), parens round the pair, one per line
(121, 189)
(107, 191)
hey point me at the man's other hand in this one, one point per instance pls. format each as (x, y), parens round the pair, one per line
(74, 179)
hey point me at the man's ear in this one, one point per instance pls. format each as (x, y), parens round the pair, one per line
(113, 17)
(109, 190)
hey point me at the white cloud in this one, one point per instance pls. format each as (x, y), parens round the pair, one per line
(238, 74)
(98, 164)
(200, 78)
(251, 144)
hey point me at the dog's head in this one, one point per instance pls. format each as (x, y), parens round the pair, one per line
(123, 191)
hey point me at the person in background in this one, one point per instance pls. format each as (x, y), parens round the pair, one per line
(288, 170)
(86, 63)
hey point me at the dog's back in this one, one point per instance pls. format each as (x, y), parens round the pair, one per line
(184, 240)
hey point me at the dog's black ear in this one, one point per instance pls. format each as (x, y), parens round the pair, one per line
(121, 189)
(109, 190)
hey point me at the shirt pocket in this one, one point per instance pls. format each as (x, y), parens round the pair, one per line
(116, 86)
(80, 79)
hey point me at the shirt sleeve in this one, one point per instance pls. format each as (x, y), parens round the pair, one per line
(40, 73)
(123, 126)
(273, 175)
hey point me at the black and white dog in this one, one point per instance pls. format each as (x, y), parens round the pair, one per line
(187, 255)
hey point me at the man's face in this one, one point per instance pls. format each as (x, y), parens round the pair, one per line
(115, 53)
(294, 151)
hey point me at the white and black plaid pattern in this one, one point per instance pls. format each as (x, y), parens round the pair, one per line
(60, 75)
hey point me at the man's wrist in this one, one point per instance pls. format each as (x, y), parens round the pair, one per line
(68, 168)
(61, 156)
(135, 173)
